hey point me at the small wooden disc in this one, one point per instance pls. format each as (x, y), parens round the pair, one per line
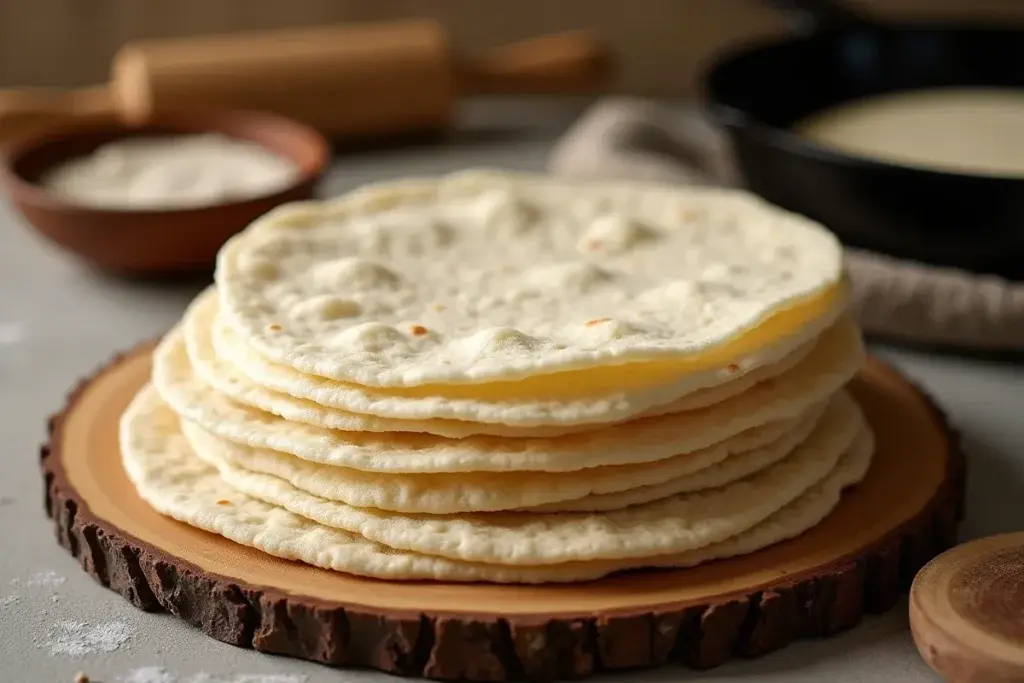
(967, 611)
(857, 560)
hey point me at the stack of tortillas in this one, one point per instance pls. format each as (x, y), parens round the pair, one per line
(509, 378)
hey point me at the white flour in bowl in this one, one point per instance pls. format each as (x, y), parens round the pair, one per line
(173, 172)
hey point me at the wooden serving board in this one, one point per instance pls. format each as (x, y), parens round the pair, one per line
(858, 560)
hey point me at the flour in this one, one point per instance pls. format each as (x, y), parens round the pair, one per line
(11, 333)
(46, 579)
(246, 678)
(154, 674)
(171, 173)
(148, 674)
(77, 638)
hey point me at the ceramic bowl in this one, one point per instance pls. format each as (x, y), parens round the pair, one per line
(152, 242)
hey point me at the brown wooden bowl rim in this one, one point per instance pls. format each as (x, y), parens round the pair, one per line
(187, 121)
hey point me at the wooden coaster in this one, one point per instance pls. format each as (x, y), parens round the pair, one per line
(858, 560)
(967, 611)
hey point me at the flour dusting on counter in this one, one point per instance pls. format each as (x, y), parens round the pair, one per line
(173, 172)
(77, 638)
(147, 674)
(155, 674)
(46, 579)
(11, 333)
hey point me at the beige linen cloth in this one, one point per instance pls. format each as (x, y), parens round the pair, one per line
(642, 140)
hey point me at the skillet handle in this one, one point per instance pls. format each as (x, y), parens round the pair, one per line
(809, 16)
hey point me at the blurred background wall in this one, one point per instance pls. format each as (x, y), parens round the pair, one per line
(660, 43)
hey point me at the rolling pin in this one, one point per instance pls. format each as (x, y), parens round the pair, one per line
(345, 80)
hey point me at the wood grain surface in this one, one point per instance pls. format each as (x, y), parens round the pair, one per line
(967, 611)
(857, 561)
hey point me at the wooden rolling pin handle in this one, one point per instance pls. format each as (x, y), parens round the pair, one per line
(47, 102)
(572, 62)
(21, 111)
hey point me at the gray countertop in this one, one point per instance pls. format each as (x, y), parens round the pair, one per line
(58, 321)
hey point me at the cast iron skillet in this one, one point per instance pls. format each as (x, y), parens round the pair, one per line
(756, 93)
